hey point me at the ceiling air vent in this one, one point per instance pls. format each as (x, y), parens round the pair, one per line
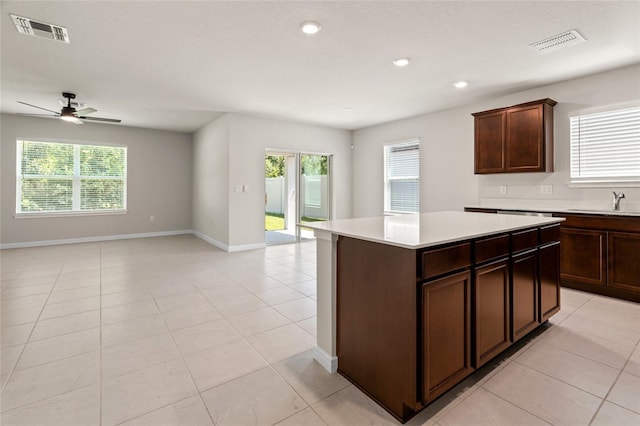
(558, 42)
(40, 29)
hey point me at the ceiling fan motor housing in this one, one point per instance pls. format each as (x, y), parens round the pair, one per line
(67, 111)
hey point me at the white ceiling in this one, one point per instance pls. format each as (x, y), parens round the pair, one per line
(178, 65)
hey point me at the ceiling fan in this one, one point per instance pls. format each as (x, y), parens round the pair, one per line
(69, 113)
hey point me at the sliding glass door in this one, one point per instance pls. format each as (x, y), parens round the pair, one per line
(314, 196)
(297, 191)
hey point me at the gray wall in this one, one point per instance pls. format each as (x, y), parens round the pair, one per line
(158, 181)
(446, 151)
(211, 181)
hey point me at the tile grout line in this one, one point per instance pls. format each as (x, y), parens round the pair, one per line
(181, 357)
(515, 405)
(613, 385)
(13, 369)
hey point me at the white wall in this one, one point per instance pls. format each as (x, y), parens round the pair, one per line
(211, 180)
(447, 179)
(599, 90)
(250, 137)
(158, 181)
(230, 151)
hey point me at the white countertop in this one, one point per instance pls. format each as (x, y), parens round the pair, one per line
(415, 230)
(558, 207)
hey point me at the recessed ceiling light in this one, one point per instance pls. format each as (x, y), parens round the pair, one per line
(401, 62)
(310, 27)
(460, 84)
(348, 109)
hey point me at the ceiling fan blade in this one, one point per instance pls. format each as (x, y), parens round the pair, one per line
(108, 120)
(86, 111)
(38, 115)
(24, 103)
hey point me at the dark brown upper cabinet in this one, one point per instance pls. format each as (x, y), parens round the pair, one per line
(515, 139)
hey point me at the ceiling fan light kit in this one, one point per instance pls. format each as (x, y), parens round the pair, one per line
(69, 113)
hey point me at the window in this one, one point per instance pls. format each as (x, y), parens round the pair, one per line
(605, 147)
(58, 177)
(402, 177)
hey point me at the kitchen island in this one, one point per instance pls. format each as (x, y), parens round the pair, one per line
(410, 305)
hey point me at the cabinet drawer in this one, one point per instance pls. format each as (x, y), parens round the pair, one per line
(447, 259)
(524, 240)
(491, 248)
(549, 234)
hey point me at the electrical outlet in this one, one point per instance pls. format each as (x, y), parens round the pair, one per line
(152, 218)
(238, 188)
(503, 189)
(546, 189)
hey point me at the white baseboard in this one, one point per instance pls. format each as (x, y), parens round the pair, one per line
(328, 362)
(245, 247)
(93, 239)
(211, 241)
(200, 235)
(227, 248)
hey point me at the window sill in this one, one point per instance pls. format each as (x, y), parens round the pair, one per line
(596, 183)
(38, 215)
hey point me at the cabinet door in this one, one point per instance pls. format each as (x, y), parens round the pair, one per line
(583, 256)
(524, 270)
(489, 142)
(446, 323)
(624, 261)
(491, 311)
(549, 281)
(525, 139)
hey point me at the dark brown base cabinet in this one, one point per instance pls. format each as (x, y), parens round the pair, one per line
(446, 327)
(411, 324)
(599, 254)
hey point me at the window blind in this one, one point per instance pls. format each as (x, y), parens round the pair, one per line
(55, 177)
(605, 146)
(402, 177)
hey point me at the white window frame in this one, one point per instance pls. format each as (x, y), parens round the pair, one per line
(602, 181)
(76, 179)
(386, 189)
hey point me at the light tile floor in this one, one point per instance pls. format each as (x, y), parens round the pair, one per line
(172, 331)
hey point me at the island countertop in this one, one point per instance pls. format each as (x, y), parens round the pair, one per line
(420, 230)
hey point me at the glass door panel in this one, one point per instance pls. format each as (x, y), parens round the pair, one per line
(314, 191)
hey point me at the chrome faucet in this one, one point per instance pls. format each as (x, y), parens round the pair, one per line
(616, 199)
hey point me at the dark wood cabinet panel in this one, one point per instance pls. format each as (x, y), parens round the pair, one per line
(515, 139)
(376, 321)
(549, 278)
(524, 240)
(582, 256)
(549, 234)
(444, 260)
(446, 307)
(491, 248)
(489, 142)
(624, 261)
(524, 279)
(492, 329)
